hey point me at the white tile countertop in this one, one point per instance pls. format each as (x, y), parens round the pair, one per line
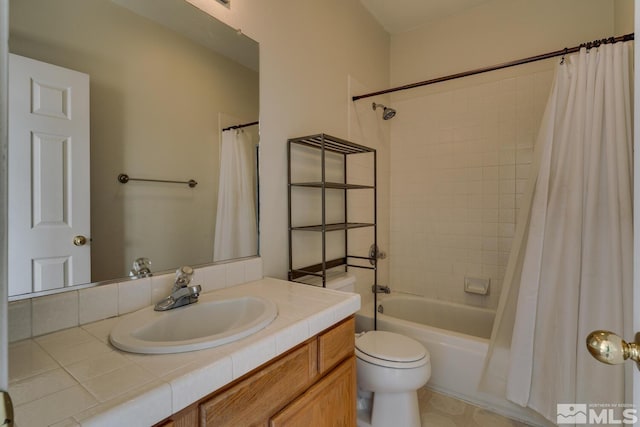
(75, 377)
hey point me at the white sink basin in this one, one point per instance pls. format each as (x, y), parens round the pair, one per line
(208, 323)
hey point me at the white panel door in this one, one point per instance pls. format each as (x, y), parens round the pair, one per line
(48, 176)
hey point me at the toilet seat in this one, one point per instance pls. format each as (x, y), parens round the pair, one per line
(391, 350)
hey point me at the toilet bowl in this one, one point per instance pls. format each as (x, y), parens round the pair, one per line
(392, 367)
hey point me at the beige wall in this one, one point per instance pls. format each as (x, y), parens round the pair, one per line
(460, 150)
(135, 67)
(624, 13)
(495, 32)
(308, 50)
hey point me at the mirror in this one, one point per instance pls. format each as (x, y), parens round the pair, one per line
(164, 80)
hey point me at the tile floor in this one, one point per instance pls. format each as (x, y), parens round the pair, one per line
(438, 410)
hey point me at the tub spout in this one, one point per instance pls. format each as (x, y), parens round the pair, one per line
(377, 289)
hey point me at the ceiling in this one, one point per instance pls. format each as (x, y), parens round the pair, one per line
(397, 16)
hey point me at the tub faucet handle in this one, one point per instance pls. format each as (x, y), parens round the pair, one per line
(375, 254)
(377, 289)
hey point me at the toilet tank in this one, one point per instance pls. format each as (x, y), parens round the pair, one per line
(345, 282)
(341, 281)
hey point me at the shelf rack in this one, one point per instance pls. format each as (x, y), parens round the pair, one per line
(326, 143)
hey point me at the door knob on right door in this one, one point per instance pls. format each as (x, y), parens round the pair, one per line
(609, 348)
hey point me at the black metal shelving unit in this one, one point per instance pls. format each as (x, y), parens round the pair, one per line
(324, 144)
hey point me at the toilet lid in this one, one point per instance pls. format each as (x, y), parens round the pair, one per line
(381, 346)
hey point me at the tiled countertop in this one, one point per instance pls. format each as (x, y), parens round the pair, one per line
(75, 377)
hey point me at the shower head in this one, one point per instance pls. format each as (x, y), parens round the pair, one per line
(387, 113)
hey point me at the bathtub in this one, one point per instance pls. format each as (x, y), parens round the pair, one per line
(457, 338)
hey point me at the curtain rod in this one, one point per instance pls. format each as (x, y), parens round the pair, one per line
(240, 126)
(548, 55)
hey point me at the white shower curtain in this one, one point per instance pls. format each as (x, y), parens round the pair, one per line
(570, 271)
(236, 229)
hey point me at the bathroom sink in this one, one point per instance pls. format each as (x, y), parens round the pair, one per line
(208, 323)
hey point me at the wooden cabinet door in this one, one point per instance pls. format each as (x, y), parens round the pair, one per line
(335, 345)
(331, 402)
(252, 401)
(185, 418)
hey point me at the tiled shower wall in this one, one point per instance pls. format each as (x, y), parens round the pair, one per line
(460, 159)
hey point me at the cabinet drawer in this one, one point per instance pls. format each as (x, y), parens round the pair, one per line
(253, 400)
(335, 345)
(328, 403)
(185, 418)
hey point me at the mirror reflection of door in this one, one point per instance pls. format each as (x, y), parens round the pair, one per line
(48, 176)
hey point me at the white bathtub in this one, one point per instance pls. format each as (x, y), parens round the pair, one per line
(453, 317)
(457, 338)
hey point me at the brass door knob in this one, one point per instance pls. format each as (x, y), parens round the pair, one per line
(79, 240)
(609, 348)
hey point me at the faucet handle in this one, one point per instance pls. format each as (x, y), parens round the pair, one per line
(141, 268)
(184, 276)
(184, 271)
(141, 263)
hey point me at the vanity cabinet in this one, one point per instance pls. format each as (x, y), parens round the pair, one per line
(319, 166)
(325, 403)
(311, 385)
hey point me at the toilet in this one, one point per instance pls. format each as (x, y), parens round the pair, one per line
(390, 369)
(393, 367)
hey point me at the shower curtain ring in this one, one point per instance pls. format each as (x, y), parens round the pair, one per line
(563, 55)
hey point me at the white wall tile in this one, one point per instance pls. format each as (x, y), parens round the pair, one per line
(19, 320)
(235, 273)
(507, 201)
(253, 269)
(524, 156)
(212, 277)
(161, 286)
(42, 315)
(54, 312)
(98, 303)
(134, 295)
(463, 192)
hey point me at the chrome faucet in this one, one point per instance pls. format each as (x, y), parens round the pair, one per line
(183, 277)
(182, 293)
(141, 268)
